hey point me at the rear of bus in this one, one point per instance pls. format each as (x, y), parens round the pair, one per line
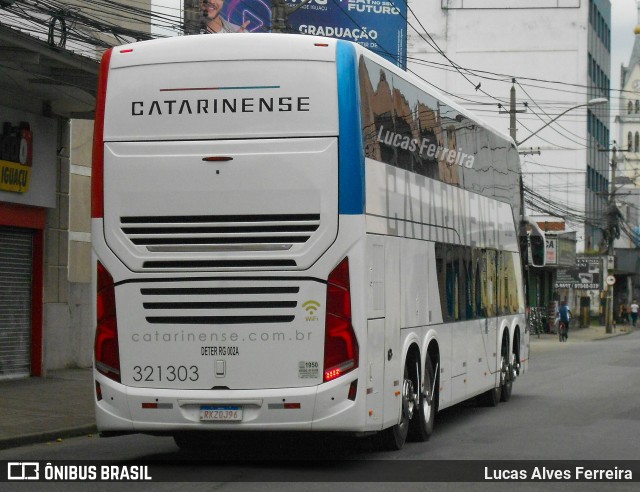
(224, 250)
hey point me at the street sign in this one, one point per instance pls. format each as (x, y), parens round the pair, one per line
(552, 251)
(611, 280)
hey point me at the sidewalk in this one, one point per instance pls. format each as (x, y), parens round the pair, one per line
(61, 405)
(46, 409)
(592, 333)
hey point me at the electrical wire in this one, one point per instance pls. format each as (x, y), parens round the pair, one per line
(104, 13)
(88, 22)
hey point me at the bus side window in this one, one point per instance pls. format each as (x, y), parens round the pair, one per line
(477, 265)
(489, 283)
(467, 297)
(441, 269)
(502, 284)
(451, 285)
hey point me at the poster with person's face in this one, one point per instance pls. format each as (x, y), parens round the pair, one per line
(379, 25)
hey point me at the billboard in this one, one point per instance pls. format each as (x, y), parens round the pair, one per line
(586, 274)
(379, 25)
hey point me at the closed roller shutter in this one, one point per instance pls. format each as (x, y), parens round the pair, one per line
(16, 262)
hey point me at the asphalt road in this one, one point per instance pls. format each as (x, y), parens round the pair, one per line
(578, 401)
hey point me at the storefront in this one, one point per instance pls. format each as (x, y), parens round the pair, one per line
(41, 89)
(627, 285)
(561, 252)
(27, 190)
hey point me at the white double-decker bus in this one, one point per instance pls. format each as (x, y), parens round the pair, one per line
(290, 233)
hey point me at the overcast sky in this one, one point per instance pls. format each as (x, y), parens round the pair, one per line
(624, 18)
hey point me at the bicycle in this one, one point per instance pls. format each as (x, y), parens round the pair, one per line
(563, 331)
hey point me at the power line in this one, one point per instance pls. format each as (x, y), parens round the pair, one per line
(106, 15)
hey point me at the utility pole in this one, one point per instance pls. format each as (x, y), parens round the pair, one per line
(512, 130)
(612, 201)
(512, 111)
(612, 227)
(512, 133)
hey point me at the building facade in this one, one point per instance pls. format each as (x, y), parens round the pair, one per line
(47, 99)
(559, 54)
(627, 177)
(558, 51)
(45, 246)
(628, 159)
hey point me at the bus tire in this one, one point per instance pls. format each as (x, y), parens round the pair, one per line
(394, 437)
(421, 425)
(506, 382)
(492, 397)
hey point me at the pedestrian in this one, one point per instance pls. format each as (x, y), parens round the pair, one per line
(622, 313)
(565, 317)
(634, 312)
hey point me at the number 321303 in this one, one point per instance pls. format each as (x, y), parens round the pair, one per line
(166, 373)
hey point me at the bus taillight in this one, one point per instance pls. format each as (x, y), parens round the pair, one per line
(340, 343)
(107, 355)
(97, 166)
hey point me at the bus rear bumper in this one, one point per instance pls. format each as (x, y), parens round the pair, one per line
(318, 408)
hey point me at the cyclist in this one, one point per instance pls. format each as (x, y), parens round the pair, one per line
(565, 316)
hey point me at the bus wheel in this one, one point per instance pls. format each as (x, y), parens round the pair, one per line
(421, 426)
(506, 381)
(492, 397)
(393, 438)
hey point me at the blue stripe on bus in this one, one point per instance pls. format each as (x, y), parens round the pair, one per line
(351, 183)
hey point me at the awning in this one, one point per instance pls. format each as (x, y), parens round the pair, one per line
(45, 80)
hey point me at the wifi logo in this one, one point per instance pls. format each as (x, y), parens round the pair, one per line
(311, 307)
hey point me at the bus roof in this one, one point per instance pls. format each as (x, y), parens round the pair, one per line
(232, 46)
(266, 46)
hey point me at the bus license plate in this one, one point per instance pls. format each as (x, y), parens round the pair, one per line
(215, 413)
